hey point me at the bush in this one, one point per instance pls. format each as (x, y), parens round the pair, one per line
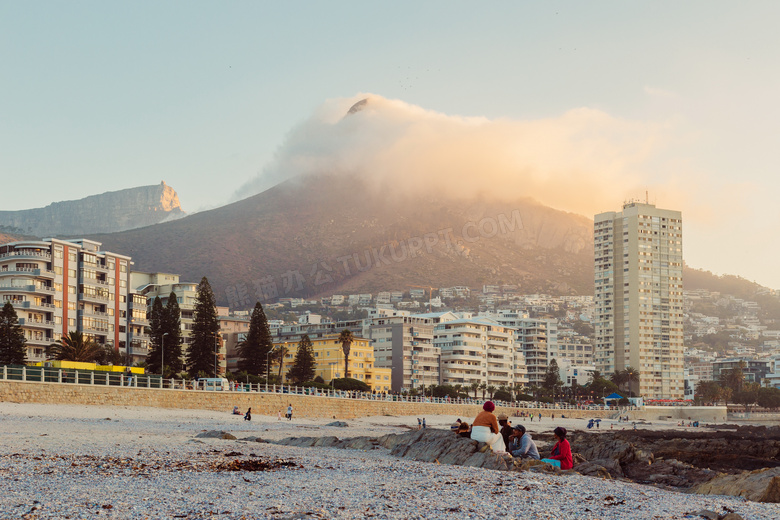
(319, 379)
(316, 384)
(502, 395)
(347, 383)
(524, 397)
(623, 401)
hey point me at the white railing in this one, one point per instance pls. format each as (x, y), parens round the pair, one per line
(102, 378)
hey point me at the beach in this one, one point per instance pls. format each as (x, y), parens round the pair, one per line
(65, 461)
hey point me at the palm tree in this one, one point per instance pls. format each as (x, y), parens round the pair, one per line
(346, 339)
(76, 347)
(483, 387)
(631, 375)
(475, 387)
(619, 378)
(491, 391)
(281, 353)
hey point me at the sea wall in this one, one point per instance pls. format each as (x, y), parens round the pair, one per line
(261, 403)
(707, 414)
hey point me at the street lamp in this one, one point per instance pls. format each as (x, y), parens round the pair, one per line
(162, 355)
(216, 347)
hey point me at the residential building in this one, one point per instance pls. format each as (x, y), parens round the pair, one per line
(60, 286)
(534, 339)
(404, 344)
(329, 361)
(475, 350)
(639, 300)
(754, 370)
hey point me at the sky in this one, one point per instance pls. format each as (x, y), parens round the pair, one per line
(580, 105)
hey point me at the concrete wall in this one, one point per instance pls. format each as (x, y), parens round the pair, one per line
(262, 404)
(694, 413)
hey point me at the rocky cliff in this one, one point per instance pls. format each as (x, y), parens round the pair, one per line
(106, 213)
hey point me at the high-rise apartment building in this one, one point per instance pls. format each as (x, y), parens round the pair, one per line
(59, 286)
(639, 297)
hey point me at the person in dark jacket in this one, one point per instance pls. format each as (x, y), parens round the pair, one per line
(562, 449)
(506, 428)
(248, 416)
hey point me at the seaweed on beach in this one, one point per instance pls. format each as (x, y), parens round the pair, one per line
(255, 465)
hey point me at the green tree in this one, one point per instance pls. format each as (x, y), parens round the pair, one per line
(769, 398)
(483, 387)
(708, 391)
(346, 338)
(303, 366)
(200, 355)
(156, 330)
(172, 326)
(552, 378)
(491, 391)
(253, 351)
(474, 387)
(76, 347)
(631, 376)
(619, 378)
(734, 378)
(13, 348)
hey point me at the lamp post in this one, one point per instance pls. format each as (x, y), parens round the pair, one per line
(162, 355)
(216, 347)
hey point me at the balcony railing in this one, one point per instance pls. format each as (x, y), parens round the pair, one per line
(26, 254)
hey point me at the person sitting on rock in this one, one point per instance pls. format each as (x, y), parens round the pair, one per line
(464, 430)
(562, 449)
(506, 428)
(235, 411)
(523, 446)
(485, 428)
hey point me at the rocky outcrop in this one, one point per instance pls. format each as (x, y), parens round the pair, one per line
(106, 213)
(762, 485)
(429, 445)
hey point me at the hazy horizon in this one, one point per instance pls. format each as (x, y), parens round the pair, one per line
(578, 106)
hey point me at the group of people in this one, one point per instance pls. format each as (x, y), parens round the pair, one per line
(500, 435)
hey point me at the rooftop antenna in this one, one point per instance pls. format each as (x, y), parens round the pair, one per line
(647, 197)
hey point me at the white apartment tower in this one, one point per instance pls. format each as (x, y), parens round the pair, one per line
(639, 297)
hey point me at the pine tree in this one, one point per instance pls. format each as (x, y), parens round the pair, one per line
(552, 377)
(13, 350)
(205, 330)
(303, 366)
(172, 325)
(254, 349)
(156, 331)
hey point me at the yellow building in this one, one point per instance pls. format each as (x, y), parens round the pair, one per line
(329, 359)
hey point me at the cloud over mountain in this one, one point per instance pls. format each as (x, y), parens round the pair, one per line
(584, 161)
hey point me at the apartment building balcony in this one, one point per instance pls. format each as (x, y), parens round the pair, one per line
(35, 255)
(92, 312)
(40, 324)
(94, 298)
(43, 341)
(137, 350)
(30, 288)
(462, 357)
(40, 273)
(34, 305)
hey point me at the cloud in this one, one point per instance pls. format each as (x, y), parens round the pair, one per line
(584, 160)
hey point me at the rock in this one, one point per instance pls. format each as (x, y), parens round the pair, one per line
(214, 434)
(706, 513)
(338, 424)
(227, 436)
(761, 485)
(327, 442)
(731, 516)
(594, 469)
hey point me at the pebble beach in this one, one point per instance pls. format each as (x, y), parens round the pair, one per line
(74, 462)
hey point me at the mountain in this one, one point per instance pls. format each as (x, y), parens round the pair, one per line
(331, 234)
(105, 213)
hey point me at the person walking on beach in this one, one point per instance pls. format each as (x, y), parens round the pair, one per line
(289, 412)
(423, 424)
(248, 416)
